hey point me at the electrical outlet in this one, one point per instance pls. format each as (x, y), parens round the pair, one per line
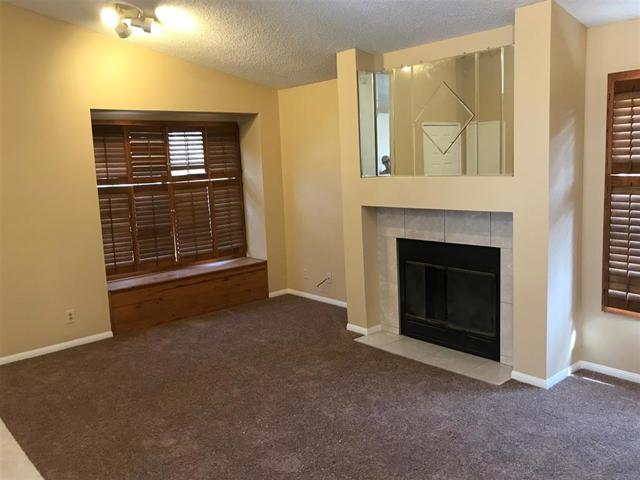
(329, 277)
(70, 316)
(305, 273)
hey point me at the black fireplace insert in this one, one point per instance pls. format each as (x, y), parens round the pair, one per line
(450, 295)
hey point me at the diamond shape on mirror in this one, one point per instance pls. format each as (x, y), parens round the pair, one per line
(444, 108)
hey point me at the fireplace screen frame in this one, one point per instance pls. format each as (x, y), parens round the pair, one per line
(445, 257)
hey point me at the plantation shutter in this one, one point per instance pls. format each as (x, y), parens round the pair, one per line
(154, 228)
(117, 237)
(227, 203)
(148, 153)
(170, 194)
(223, 153)
(109, 152)
(228, 219)
(624, 249)
(622, 203)
(194, 237)
(625, 133)
(186, 152)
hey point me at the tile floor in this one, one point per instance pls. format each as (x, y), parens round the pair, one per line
(14, 464)
(445, 358)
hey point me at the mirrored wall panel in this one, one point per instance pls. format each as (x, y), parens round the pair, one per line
(446, 118)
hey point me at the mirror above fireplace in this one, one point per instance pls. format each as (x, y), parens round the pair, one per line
(449, 117)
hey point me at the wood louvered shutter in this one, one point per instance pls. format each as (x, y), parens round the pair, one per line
(170, 194)
(109, 153)
(148, 153)
(223, 153)
(154, 229)
(194, 236)
(186, 152)
(117, 235)
(228, 219)
(227, 203)
(625, 133)
(621, 269)
(109, 149)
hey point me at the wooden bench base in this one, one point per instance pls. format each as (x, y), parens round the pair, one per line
(147, 300)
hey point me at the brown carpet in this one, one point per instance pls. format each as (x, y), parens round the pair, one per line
(279, 390)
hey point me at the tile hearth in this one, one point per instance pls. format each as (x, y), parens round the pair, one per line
(457, 362)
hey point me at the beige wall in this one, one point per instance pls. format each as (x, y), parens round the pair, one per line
(311, 172)
(52, 74)
(607, 339)
(566, 131)
(531, 173)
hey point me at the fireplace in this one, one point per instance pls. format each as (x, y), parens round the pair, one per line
(449, 294)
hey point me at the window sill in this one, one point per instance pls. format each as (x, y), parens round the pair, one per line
(619, 311)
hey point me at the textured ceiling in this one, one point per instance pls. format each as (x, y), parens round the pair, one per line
(281, 43)
(599, 12)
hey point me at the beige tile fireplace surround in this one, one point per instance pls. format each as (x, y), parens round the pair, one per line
(450, 226)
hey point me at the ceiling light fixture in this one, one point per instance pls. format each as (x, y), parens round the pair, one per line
(123, 17)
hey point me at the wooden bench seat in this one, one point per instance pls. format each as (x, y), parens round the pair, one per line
(150, 299)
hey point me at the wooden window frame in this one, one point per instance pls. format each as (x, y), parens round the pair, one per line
(170, 184)
(613, 181)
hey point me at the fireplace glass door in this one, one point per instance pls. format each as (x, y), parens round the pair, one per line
(449, 295)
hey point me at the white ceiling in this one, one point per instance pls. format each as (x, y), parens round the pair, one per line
(599, 12)
(281, 43)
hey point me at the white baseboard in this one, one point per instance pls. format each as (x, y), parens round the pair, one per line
(310, 296)
(558, 377)
(545, 383)
(566, 372)
(278, 293)
(529, 379)
(612, 372)
(362, 330)
(54, 348)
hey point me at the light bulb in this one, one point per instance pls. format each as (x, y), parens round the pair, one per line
(175, 18)
(109, 17)
(123, 30)
(156, 28)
